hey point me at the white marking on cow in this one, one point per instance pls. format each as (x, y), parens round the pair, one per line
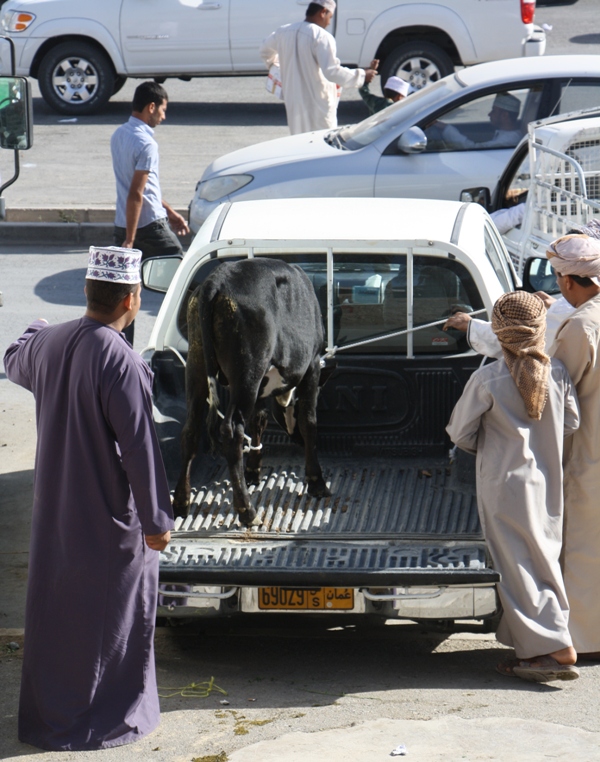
(274, 381)
(213, 394)
(290, 419)
(288, 401)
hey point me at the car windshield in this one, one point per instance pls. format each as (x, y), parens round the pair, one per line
(356, 136)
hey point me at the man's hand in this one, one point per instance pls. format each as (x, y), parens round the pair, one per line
(546, 298)
(370, 75)
(374, 64)
(459, 321)
(158, 541)
(176, 221)
(127, 244)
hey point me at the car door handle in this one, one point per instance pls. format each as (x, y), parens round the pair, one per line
(209, 6)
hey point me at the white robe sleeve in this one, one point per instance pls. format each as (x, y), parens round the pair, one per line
(509, 218)
(572, 416)
(268, 50)
(326, 55)
(482, 339)
(463, 428)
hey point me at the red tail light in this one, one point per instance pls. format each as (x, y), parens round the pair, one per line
(527, 11)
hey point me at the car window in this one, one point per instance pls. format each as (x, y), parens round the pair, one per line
(497, 258)
(497, 120)
(519, 185)
(577, 95)
(357, 136)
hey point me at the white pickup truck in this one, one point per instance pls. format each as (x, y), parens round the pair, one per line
(82, 52)
(400, 535)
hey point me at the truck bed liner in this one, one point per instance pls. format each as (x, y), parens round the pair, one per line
(386, 522)
(382, 498)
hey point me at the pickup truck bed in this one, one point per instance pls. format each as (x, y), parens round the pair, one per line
(387, 523)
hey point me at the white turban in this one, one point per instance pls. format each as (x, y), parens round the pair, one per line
(576, 255)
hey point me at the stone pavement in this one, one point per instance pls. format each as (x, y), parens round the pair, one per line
(444, 740)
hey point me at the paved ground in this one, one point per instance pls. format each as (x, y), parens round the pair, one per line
(69, 168)
(296, 691)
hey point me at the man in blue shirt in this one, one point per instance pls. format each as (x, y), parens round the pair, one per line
(143, 219)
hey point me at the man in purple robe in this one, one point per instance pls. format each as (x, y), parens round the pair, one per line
(101, 512)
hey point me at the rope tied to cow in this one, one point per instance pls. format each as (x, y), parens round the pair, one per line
(248, 447)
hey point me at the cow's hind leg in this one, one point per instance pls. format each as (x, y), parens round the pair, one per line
(239, 412)
(308, 391)
(256, 429)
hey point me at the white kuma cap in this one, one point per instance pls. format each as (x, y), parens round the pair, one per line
(329, 5)
(398, 85)
(114, 265)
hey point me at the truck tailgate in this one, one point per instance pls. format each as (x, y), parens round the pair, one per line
(387, 523)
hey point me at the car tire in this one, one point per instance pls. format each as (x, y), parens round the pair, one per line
(419, 63)
(76, 78)
(119, 82)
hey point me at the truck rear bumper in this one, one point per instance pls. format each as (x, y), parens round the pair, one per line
(412, 602)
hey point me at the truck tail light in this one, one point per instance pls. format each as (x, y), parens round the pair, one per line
(527, 11)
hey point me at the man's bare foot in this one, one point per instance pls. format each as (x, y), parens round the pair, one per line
(564, 656)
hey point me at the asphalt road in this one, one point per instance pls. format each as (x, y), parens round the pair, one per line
(69, 164)
(344, 692)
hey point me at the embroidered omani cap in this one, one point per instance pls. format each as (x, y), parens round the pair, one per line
(115, 265)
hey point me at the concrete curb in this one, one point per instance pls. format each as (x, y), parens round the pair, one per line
(57, 233)
(63, 227)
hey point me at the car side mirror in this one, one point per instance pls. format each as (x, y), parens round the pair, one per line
(16, 114)
(158, 272)
(538, 275)
(413, 140)
(478, 196)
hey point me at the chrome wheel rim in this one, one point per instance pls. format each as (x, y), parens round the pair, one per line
(419, 72)
(75, 80)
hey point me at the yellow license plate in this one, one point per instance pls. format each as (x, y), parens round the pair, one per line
(304, 599)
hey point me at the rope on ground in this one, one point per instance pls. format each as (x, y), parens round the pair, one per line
(193, 690)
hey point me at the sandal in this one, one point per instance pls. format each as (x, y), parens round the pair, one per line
(541, 669)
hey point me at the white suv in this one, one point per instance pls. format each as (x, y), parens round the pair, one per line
(82, 52)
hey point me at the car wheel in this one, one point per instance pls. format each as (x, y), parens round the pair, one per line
(119, 82)
(419, 63)
(76, 78)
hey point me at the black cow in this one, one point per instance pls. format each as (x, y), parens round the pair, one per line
(256, 327)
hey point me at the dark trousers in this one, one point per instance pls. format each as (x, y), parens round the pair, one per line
(153, 240)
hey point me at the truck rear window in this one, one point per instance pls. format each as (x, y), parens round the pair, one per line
(370, 299)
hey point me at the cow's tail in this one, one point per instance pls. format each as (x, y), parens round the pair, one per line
(212, 366)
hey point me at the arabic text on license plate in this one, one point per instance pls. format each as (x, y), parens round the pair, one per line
(315, 599)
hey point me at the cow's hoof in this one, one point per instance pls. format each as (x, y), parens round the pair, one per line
(247, 516)
(252, 475)
(318, 488)
(180, 510)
